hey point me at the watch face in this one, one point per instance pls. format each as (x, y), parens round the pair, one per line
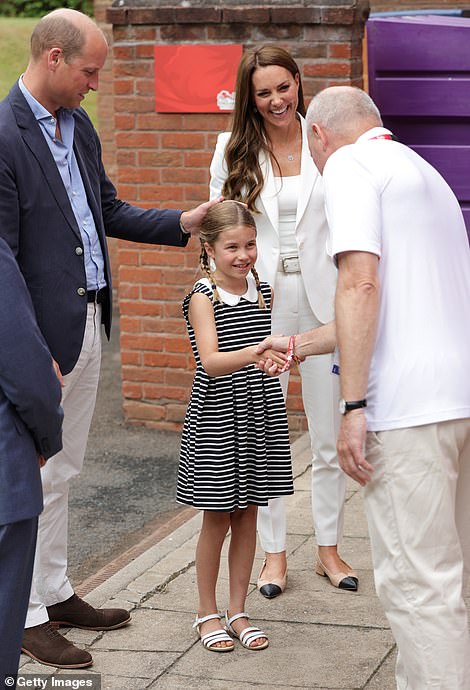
(342, 406)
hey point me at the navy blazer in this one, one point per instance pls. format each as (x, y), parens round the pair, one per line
(30, 412)
(37, 221)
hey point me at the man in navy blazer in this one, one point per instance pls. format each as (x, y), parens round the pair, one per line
(56, 207)
(30, 432)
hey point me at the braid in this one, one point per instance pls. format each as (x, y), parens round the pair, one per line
(204, 264)
(261, 302)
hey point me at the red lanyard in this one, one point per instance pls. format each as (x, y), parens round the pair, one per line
(382, 136)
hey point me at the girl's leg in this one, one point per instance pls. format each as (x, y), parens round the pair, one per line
(209, 546)
(240, 560)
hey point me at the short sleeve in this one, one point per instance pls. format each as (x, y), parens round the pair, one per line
(352, 203)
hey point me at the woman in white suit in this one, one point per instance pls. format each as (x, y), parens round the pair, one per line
(265, 162)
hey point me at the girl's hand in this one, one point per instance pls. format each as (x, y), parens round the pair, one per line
(276, 357)
(269, 367)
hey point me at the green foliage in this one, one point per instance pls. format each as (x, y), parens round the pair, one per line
(37, 8)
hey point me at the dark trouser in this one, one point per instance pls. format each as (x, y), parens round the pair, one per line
(17, 546)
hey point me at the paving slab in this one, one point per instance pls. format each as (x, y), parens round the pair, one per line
(320, 637)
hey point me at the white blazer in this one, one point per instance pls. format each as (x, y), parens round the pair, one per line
(311, 229)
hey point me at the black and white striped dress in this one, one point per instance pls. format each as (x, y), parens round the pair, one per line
(235, 445)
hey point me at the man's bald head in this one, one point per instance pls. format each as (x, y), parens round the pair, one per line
(65, 29)
(344, 110)
(338, 116)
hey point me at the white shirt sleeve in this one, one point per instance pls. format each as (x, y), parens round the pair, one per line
(352, 203)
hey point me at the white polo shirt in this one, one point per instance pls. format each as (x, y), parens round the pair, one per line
(381, 197)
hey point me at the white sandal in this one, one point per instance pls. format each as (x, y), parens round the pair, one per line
(212, 638)
(247, 635)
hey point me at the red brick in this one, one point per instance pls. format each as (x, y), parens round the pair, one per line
(251, 15)
(327, 69)
(124, 52)
(198, 159)
(161, 158)
(143, 374)
(179, 377)
(141, 308)
(138, 15)
(175, 412)
(134, 68)
(236, 33)
(123, 104)
(126, 157)
(130, 341)
(337, 15)
(141, 275)
(166, 359)
(130, 257)
(130, 358)
(185, 175)
(130, 324)
(128, 292)
(123, 121)
(160, 121)
(183, 140)
(143, 411)
(176, 344)
(295, 15)
(136, 140)
(144, 87)
(156, 392)
(206, 121)
(197, 15)
(176, 33)
(160, 193)
(161, 257)
(132, 390)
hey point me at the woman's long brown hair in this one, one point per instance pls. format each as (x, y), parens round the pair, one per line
(245, 179)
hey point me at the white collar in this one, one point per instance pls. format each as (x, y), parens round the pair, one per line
(372, 133)
(251, 294)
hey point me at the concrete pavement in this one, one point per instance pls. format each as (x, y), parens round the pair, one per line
(320, 637)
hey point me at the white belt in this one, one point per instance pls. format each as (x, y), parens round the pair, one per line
(289, 264)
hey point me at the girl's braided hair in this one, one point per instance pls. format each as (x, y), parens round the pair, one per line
(225, 216)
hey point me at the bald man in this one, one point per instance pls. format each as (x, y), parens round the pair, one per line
(56, 207)
(403, 333)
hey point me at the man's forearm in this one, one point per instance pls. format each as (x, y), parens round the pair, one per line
(318, 341)
(357, 305)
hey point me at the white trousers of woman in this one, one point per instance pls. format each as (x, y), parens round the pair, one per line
(320, 393)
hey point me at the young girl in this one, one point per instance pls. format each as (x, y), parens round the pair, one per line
(235, 452)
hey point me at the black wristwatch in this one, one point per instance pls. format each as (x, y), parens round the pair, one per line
(347, 406)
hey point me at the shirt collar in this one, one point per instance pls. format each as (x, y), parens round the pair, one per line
(372, 133)
(251, 294)
(40, 112)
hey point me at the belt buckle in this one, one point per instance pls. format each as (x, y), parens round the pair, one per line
(290, 264)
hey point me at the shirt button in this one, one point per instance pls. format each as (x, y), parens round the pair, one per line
(78, 251)
(81, 291)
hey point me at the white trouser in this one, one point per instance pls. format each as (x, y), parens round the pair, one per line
(320, 393)
(417, 506)
(50, 582)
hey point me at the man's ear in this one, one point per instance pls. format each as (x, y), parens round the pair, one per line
(53, 58)
(320, 135)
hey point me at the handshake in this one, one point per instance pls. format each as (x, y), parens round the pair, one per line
(276, 354)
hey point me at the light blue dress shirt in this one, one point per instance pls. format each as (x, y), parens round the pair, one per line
(66, 161)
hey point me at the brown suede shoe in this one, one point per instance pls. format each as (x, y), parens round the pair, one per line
(77, 613)
(45, 644)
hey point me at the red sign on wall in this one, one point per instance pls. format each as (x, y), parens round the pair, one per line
(195, 78)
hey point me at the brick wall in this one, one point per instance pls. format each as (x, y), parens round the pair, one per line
(398, 5)
(163, 160)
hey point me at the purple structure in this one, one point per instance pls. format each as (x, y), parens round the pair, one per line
(419, 77)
